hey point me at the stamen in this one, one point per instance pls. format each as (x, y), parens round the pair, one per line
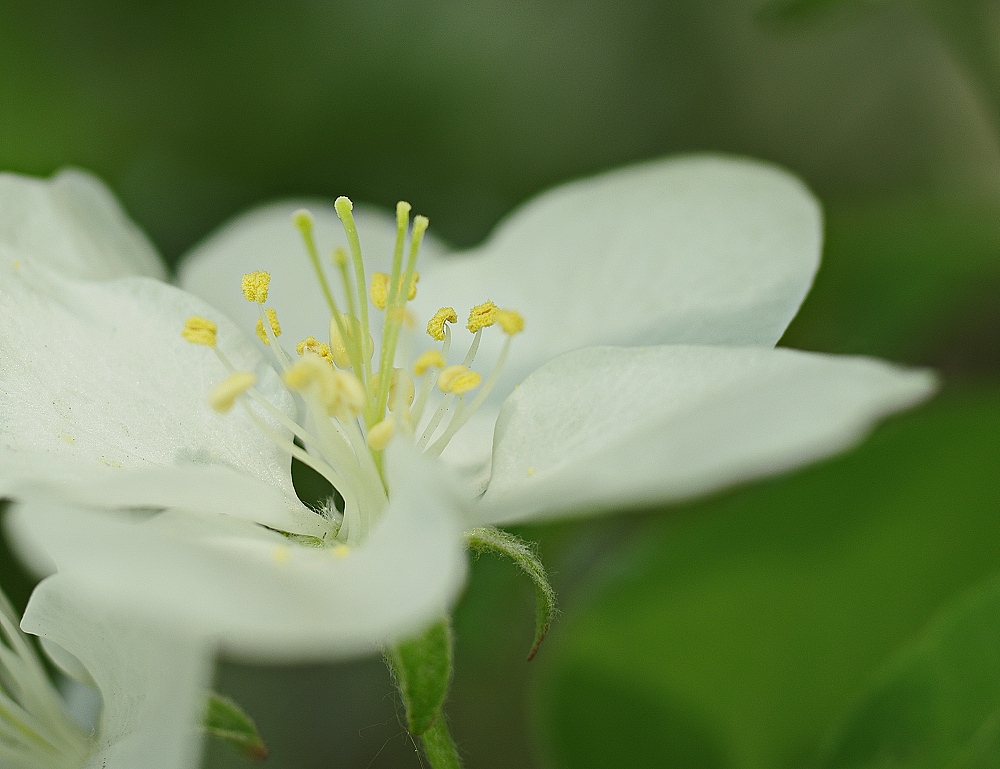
(381, 433)
(198, 330)
(395, 314)
(322, 349)
(511, 321)
(255, 285)
(346, 350)
(270, 331)
(436, 325)
(427, 360)
(379, 290)
(224, 395)
(482, 316)
(516, 324)
(341, 394)
(272, 318)
(458, 380)
(401, 390)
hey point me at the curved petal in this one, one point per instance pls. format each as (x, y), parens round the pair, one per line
(686, 250)
(73, 223)
(264, 596)
(96, 377)
(152, 678)
(265, 239)
(608, 426)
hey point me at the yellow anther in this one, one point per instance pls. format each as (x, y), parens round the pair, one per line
(224, 395)
(435, 326)
(400, 389)
(339, 347)
(300, 374)
(381, 433)
(482, 316)
(458, 380)
(428, 359)
(339, 391)
(400, 386)
(255, 286)
(340, 257)
(511, 321)
(352, 393)
(313, 345)
(272, 321)
(379, 290)
(198, 330)
(340, 551)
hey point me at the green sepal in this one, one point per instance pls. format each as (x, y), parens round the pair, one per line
(524, 556)
(422, 669)
(227, 721)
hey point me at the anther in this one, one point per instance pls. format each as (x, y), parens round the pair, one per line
(427, 360)
(313, 345)
(342, 348)
(458, 380)
(255, 286)
(339, 257)
(340, 392)
(224, 395)
(511, 321)
(435, 326)
(198, 330)
(272, 321)
(379, 290)
(381, 433)
(482, 316)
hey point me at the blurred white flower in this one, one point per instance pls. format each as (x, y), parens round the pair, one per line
(653, 298)
(151, 683)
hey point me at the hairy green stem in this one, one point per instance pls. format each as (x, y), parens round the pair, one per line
(439, 747)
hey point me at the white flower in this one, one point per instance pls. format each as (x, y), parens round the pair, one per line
(653, 297)
(151, 683)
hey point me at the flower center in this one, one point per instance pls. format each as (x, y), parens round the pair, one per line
(35, 730)
(356, 404)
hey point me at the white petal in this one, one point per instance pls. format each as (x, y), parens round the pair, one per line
(603, 427)
(96, 376)
(264, 596)
(73, 223)
(265, 239)
(152, 679)
(688, 250)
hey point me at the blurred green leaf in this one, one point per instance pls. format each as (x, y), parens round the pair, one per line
(939, 703)
(795, 10)
(914, 281)
(762, 615)
(225, 720)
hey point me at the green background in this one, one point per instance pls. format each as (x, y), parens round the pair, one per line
(816, 620)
